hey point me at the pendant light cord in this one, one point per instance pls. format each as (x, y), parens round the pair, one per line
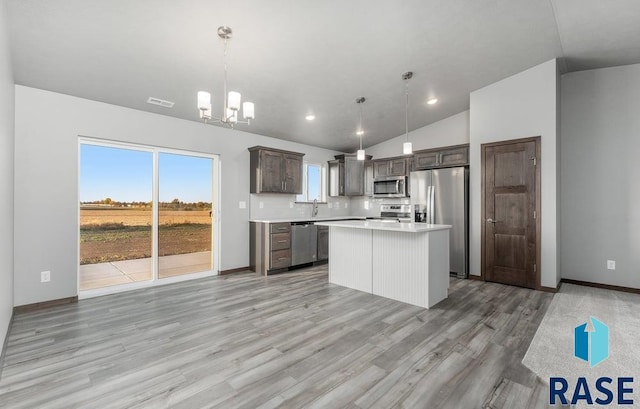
(406, 111)
(361, 131)
(225, 98)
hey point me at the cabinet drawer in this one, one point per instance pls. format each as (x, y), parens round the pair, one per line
(280, 227)
(280, 241)
(280, 259)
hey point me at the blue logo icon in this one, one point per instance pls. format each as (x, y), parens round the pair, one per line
(591, 345)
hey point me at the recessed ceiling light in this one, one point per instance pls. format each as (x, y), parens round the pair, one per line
(310, 117)
(432, 101)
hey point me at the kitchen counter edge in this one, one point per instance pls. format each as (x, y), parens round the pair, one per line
(308, 219)
(377, 225)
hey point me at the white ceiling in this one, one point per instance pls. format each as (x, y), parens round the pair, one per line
(293, 57)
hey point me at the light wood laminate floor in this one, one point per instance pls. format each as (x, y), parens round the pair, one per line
(290, 340)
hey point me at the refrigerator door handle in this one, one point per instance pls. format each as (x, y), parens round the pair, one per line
(433, 209)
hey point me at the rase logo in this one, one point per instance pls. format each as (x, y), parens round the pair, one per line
(592, 346)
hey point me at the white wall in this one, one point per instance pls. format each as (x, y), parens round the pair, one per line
(600, 175)
(6, 177)
(520, 106)
(46, 151)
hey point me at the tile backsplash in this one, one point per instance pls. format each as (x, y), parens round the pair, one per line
(280, 206)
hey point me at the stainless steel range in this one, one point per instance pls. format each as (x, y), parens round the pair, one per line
(396, 213)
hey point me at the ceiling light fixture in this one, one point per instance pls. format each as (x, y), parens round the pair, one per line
(407, 148)
(432, 101)
(360, 154)
(231, 104)
(310, 117)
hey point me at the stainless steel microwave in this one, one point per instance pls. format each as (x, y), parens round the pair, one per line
(390, 186)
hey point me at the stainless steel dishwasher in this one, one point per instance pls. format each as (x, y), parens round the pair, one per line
(304, 243)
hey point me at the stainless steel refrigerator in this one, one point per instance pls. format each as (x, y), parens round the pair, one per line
(441, 196)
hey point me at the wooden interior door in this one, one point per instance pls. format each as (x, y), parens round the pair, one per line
(511, 215)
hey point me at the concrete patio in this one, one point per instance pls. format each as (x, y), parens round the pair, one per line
(129, 271)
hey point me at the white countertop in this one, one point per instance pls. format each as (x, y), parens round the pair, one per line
(306, 219)
(379, 225)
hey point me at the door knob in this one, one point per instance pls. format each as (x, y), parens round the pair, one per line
(492, 221)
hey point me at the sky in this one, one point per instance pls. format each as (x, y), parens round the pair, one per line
(125, 175)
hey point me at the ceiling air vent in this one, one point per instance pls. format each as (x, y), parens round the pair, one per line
(161, 102)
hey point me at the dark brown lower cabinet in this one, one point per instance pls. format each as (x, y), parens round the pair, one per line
(323, 243)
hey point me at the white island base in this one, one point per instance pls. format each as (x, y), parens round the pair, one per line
(402, 261)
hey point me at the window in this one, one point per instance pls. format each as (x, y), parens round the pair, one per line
(313, 183)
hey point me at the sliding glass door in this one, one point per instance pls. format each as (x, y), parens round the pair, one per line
(146, 215)
(185, 214)
(116, 216)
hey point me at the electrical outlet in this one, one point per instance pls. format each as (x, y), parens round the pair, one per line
(346, 205)
(242, 205)
(45, 276)
(611, 264)
(262, 205)
(290, 205)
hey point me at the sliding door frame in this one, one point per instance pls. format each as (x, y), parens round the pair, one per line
(215, 224)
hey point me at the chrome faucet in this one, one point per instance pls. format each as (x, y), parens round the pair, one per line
(314, 209)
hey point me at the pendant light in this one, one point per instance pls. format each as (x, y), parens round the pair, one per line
(407, 148)
(360, 154)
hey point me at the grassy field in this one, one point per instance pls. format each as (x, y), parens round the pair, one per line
(125, 234)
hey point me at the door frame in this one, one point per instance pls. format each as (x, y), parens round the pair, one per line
(215, 225)
(538, 220)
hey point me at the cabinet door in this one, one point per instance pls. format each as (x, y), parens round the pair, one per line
(271, 172)
(380, 168)
(334, 178)
(353, 177)
(368, 178)
(455, 156)
(292, 174)
(426, 160)
(341, 178)
(398, 167)
(323, 243)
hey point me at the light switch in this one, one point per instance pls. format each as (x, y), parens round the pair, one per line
(242, 205)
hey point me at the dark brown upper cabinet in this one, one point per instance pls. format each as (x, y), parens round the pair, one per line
(275, 171)
(449, 156)
(347, 175)
(391, 167)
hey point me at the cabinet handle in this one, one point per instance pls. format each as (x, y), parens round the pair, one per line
(282, 241)
(283, 258)
(285, 185)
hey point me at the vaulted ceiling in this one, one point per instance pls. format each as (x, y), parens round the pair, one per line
(295, 57)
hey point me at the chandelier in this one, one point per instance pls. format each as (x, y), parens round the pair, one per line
(231, 105)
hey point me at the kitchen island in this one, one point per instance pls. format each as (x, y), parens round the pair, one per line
(408, 262)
